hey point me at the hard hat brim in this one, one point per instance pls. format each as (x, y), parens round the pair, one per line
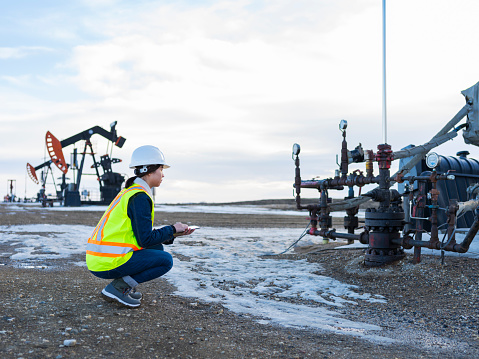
(161, 164)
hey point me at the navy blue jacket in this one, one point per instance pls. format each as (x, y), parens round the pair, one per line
(139, 211)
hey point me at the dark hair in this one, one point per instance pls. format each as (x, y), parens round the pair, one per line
(149, 169)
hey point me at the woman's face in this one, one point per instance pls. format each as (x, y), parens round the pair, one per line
(154, 179)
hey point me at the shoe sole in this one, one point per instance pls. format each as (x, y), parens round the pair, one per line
(112, 298)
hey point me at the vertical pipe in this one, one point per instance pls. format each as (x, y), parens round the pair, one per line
(297, 183)
(96, 167)
(451, 222)
(433, 218)
(385, 139)
(407, 210)
(417, 250)
(419, 212)
(344, 157)
(80, 170)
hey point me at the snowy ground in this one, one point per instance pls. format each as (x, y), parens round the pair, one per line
(227, 266)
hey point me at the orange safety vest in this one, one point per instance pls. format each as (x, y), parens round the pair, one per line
(113, 241)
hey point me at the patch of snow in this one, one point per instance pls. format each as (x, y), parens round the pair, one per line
(45, 241)
(226, 266)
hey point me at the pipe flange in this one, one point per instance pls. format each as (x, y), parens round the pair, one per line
(375, 257)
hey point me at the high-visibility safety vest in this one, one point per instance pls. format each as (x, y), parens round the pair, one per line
(113, 241)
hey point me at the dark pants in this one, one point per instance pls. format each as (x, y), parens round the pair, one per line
(144, 265)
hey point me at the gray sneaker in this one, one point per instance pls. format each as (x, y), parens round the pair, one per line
(119, 291)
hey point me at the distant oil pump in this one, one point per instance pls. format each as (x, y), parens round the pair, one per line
(11, 192)
(68, 193)
(436, 192)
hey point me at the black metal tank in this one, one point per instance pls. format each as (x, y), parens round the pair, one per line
(466, 171)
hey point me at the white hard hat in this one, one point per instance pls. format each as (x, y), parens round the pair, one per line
(147, 155)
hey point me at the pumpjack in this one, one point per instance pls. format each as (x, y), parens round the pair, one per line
(436, 193)
(68, 193)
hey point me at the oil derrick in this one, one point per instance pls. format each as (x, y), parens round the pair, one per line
(69, 193)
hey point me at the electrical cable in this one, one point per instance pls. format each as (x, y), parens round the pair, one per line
(300, 238)
(335, 249)
(448, 241)
(458, 217)
(422, 231)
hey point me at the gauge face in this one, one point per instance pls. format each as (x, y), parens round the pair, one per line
(432, 160)
(296, 149)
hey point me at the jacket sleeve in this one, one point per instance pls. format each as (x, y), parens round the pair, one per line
(139, 212)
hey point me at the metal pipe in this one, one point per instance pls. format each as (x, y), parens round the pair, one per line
(369, 163)
(385, 139)
(451, 222)
(408, 196)
(434, 177)
(332, 234)
(324, 217)
(420, 208)
(424, 148)
(80, 170)
(464, 246)
(344, 157)
(314, 219)
(417, 250)
(408, 242)
(96, 167)
(332, 183)
(454, 121)
(413, 217)
(462, 112)
(297, 183)
(433, 219)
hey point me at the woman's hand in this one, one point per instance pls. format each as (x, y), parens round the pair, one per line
(182, 229)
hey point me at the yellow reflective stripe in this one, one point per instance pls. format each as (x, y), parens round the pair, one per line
(101, 225)
(102, 248)
(113, 244)
(108, 255)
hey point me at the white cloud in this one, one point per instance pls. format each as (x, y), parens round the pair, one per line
(21, 51)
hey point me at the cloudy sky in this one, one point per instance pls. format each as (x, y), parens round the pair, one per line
(224, 88)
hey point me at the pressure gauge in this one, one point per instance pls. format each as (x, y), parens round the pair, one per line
(343, 124)
(296, 149)
(432, 160)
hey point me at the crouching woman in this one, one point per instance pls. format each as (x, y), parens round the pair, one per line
(124, 246)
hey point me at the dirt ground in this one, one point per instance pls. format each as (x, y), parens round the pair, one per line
(432, 309)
